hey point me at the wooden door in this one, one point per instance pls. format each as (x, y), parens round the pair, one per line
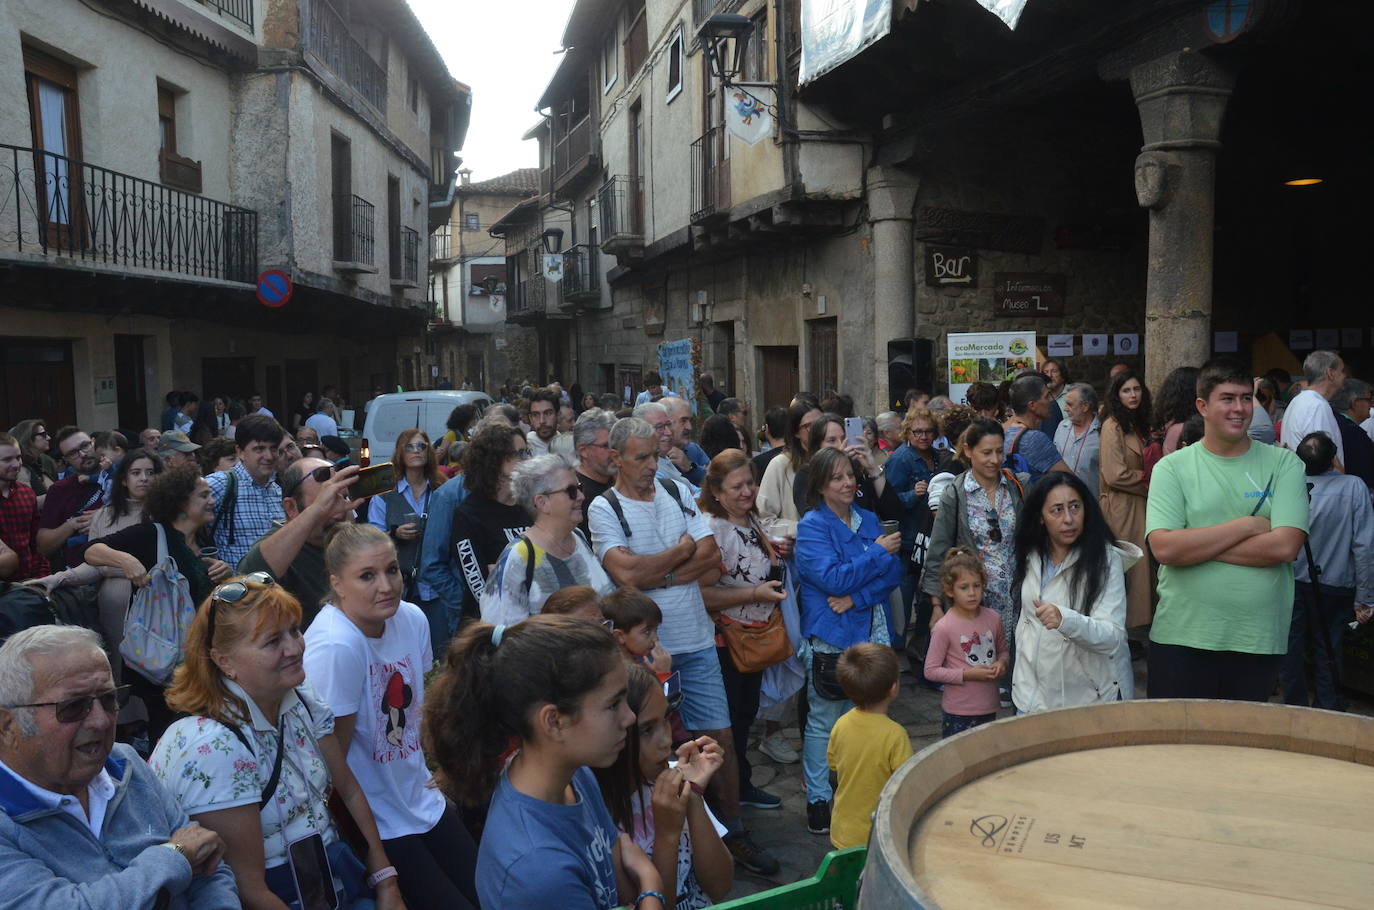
(36, 380)
(55, 125)
(131, 382)
(823, 354)
(780, 376)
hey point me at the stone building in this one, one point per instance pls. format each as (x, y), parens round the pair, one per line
(468, 279)
(162, 154)
(1148, 163)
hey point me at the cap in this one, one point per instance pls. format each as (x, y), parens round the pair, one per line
(334, 445)
(175, 439)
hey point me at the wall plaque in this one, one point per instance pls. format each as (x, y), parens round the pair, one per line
(1028, 294)
(951, 266)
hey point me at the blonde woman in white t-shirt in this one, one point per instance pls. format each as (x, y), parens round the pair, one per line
(366, 655)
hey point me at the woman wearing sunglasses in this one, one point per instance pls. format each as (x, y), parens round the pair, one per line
(179, 502)
(402, 513)
(552, 554)
(255, 760)
(978, 510)
(366, 654)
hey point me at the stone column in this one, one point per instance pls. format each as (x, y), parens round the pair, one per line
(891, 208)
(1182, 97)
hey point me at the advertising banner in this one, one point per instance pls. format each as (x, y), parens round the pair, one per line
(987, 357)
(835, 30)
(677, 364)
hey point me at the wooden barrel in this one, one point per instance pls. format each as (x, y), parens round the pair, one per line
(1142, 804)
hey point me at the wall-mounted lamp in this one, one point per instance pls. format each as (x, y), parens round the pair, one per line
(553, 240)
(715, 35)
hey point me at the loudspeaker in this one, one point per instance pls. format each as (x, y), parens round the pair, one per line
(910, 365)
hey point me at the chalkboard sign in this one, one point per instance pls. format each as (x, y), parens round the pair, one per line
(951, 266)
(1029, 294)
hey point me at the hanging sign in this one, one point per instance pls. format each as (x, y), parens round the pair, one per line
(1028, 294)
(1060, 346)
(1009, 11)
(1094, 345)
(1225, 342)
(1352, 338)
(1327, 339)
(986, 357)
(553, 266)
(274, 288)
(1300, 339)
(1125, 345)
(746, 113)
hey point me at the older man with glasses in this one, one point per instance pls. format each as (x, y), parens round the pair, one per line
(83, 822)
(72, 501)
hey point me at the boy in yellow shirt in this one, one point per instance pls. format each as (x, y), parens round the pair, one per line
(866, 745)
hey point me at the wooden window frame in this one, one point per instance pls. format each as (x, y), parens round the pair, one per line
(609, 73)
(638, 21)
(677, 54)
(41, 65)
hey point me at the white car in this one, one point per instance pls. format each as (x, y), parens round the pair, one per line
(389, 415)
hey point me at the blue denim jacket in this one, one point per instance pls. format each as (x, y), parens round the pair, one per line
(833, 561)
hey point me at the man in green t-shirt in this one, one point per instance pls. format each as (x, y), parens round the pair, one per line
(293, 553)
(1225, 519)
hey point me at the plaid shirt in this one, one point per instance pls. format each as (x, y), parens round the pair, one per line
(255, 509)
(19, 530)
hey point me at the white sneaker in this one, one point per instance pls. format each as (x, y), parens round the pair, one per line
(779, 749)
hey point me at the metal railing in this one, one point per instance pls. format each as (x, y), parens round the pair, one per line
(238, 10)
(353, 223)
(410, 254)
(572, 148)
(59, 206)
(441, 243)
(710, 174)
(328, 37)
(581, 273)
(620, 204)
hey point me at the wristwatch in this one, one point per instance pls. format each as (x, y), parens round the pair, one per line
(668, 579)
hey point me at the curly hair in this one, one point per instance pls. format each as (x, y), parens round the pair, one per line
(915, 414)
(484, 458)
(168, 493)
(488, 690)
(1177, 399)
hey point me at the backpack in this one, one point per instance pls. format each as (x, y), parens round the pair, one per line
(1015, 461)
(224, 512)
(23, 607)
(672, 489)
(529, 554)
(158, 619)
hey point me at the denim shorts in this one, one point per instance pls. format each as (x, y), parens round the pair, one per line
(704, 706)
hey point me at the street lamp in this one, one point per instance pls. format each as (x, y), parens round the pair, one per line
(553, 240)
(715, 33)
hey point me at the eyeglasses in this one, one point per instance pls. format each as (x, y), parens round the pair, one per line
(922, 432)
(572, 491)
(86, 446)
(994, 527)
(321, 475)
(232, 593)
(1072, 508)
(74, 710)
(43, 435)
(521, 454)
(417, 447)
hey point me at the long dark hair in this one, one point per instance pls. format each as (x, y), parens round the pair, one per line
(1137, 421)
(623, 779)
(119, 494)
(1177, 399)
(1033, 540)
(796, 452)
(485, 694)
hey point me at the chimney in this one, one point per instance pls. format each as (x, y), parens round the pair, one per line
(466, 175)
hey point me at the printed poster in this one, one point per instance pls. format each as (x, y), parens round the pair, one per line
(677, 367)
(986, 357)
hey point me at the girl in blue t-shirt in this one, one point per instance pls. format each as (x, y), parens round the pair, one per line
(554, 688)
(661, 807)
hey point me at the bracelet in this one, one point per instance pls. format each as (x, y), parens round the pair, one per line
(380, 876)
(643, 894)
(696, 789)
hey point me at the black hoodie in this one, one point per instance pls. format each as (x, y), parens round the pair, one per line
(481, 529)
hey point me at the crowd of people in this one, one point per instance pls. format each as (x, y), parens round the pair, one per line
(529, 673)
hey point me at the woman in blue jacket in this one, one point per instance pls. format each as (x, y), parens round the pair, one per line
(848, 569)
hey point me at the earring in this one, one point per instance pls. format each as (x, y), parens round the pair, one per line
(182, 515)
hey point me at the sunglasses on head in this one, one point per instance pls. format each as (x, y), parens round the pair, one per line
(74, 710)
(231, 593)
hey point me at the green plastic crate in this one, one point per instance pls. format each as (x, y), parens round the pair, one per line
(835, 885)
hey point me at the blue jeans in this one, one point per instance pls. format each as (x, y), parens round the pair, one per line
(820, 718)
(1337, 609)
(704, 706)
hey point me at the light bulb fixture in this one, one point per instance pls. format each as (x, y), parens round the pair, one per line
(1303, 175)
(553, 240)
(715, 35)
(1303, 181)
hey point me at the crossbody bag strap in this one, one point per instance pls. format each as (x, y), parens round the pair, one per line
(619, 510)
(271, 786)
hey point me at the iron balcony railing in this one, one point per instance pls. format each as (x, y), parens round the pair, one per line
(238, 10)
(441, 244)
(581, 273)
(410, 254)
(353, 226)
(328, 37)
(710, 174)
(58, 206)
(620, 204)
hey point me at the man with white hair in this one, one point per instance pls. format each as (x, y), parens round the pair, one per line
(656, 415)
(1310, 410)
(83, 822)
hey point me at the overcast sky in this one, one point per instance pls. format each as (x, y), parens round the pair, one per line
(504, 50)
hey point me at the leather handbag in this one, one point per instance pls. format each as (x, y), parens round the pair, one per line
(755, 647)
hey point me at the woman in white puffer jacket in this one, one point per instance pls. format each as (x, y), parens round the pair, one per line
(1071, 638)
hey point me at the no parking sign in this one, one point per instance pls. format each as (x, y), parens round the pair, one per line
(274, 288)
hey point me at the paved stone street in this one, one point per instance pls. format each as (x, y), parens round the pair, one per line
(784, 831)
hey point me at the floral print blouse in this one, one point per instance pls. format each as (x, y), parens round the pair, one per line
(999, 557)
(744, 564)
(206, 767)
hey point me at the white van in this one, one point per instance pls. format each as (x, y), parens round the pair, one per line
(390, 414)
